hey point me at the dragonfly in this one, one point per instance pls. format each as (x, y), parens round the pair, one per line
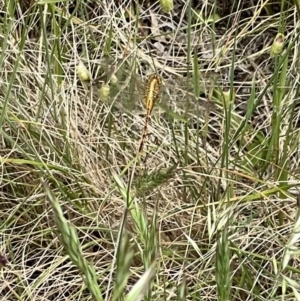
(150, 97)
(169, 95)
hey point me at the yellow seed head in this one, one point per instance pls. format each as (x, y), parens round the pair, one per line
(82, 72)
(166, 5)
(213, 18)
(113, 79)
(277, 45)
(227, 97)
(104, 92)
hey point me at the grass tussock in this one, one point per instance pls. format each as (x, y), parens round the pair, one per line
(209, 210)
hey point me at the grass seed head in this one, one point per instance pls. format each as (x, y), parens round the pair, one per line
(114, 80)
(82, 72)
(104, 92)
(277, 45)
(227, 97)
(166, 5)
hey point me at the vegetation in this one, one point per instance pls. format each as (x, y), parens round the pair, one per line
(209, 210)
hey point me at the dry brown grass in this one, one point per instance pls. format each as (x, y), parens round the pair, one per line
(209, 213)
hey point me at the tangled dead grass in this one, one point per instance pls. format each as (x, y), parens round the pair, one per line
(209, 204)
